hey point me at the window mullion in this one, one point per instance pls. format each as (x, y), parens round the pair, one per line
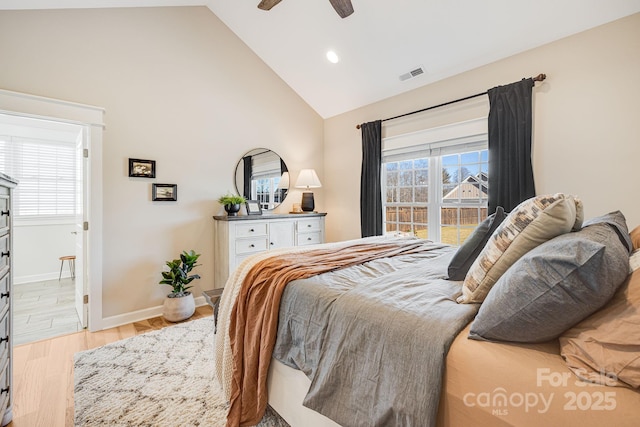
(435, 194)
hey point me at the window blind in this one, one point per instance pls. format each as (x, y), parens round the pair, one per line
(453, 138)
(46, 174)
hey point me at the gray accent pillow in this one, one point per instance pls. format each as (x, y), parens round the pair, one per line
(556, 285)
(471, 248)
(531, 223)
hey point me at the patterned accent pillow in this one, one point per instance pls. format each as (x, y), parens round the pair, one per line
(530, 224)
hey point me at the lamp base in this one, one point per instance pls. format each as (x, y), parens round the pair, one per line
(307, 205)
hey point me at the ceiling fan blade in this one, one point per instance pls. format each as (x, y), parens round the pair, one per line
(268, 4)
(343, 7)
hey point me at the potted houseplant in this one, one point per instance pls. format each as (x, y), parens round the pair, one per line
(231, 203)
(179, 304)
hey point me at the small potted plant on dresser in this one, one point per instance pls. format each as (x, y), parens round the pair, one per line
(179, 304)
(231, 203)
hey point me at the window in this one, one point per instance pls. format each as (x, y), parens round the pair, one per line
(406, 206)
(464, 186)
(435, 185)
(46, 172)
(266, 169)
(265, 190)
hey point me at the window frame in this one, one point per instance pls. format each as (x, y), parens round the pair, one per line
(433, 144)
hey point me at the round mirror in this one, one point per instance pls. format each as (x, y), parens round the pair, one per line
(263, 176)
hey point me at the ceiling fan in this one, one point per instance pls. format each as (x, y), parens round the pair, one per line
(343, 7)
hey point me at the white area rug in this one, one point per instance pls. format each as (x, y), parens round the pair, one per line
(160, 378)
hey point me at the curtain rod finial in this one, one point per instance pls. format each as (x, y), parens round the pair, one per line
(357, 126)
(540, 77)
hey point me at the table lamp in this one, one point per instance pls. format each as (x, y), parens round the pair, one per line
(308, 179)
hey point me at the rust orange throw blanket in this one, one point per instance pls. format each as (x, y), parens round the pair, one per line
(254, 319)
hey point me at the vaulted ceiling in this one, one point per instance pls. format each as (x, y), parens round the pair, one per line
(383, 39)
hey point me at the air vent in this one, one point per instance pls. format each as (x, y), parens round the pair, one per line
(411, 74)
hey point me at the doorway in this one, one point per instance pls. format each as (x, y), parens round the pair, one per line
(91, 118)
(47, 158)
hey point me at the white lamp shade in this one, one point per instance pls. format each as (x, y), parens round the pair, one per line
(283, 184)
(308, 179)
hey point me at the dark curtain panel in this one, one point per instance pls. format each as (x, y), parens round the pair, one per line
(246, 190)
(370, 186)
(510, 169)
(283, 169)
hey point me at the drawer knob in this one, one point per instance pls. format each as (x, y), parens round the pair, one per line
(252, 230)
(4, 390)
(271, 243)
(4, 295)
(308, 238)
(4, 254)
(3, 213)
(252, 245)
(309, 225)
(4, 339)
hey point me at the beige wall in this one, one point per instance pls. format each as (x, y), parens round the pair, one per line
(586, 122)
(179, 88)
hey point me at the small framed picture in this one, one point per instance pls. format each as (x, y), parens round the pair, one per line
(165, 192)
(253, 207)
(142, 168)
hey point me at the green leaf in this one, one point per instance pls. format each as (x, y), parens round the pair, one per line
(178, 275)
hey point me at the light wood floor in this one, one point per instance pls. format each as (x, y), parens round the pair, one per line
(43, 371)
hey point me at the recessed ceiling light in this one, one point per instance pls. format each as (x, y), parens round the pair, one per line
(332, 57)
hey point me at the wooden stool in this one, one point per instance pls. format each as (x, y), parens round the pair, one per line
(72, 265)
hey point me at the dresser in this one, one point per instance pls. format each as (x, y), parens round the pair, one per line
(238, 237)
(6, 327)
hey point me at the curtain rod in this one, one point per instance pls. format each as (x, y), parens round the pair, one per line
(538, 78)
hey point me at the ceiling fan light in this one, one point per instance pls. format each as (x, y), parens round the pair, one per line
(332, 57)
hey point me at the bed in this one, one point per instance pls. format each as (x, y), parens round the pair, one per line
(375, 332)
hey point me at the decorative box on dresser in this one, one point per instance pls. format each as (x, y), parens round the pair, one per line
(6, 284)
(238, 237)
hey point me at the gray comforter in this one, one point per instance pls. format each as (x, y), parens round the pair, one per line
(373, 338)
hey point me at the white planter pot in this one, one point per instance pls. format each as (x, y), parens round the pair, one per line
(177, 309)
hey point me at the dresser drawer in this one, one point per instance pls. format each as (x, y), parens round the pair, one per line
(245, 236)
(249, 230)
(4, 212)
(309, 239)
(5, 381)
(248, 246)
(4, 252)
(4, 338)
(308, 225)
(4, 291)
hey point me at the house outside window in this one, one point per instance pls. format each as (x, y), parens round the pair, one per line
(435, 182)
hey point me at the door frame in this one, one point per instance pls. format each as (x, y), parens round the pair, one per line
(92, 118)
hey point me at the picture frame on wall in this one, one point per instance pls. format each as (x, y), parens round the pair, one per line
(165, 192)
(140, 168)
(253, 207)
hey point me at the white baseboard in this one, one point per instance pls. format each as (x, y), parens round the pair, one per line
(139, 315)
(18, 280)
